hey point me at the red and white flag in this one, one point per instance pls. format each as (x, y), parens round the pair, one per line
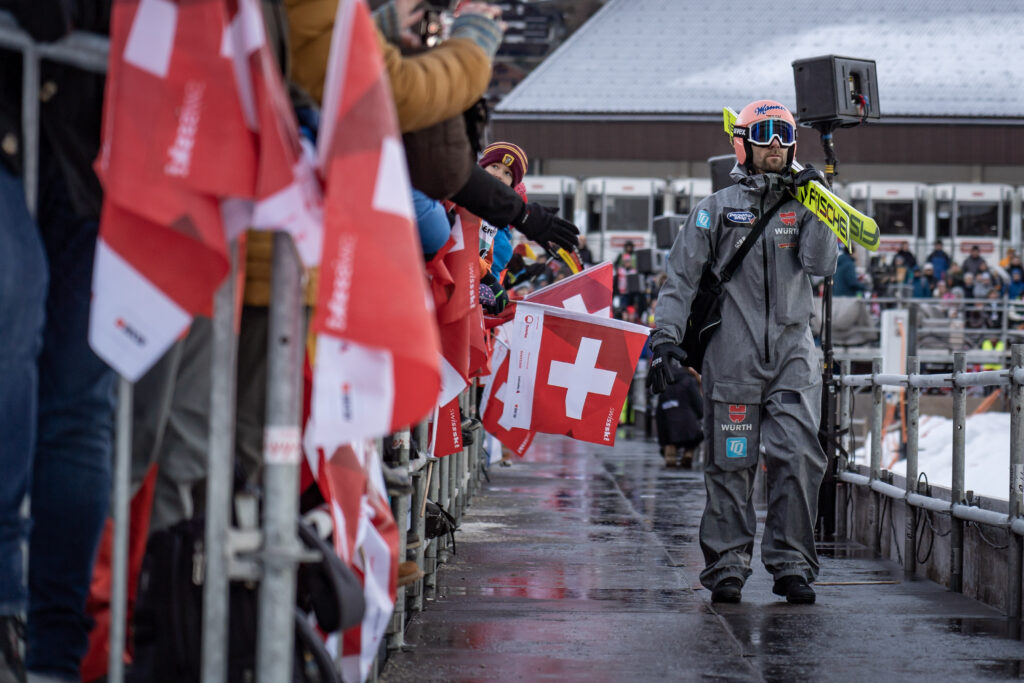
(588, 291)
(377, 351)
(365, 538)
(447, 430)
(196, 130)
(569, 373)
(493, 402)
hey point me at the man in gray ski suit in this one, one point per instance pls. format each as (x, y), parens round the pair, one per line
(761, 375)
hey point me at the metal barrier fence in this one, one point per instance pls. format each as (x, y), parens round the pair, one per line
(270, 555)
(958, 507)
(938, 325)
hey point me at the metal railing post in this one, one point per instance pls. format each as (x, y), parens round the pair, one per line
(845, 423)
(913, 417)
(956, 538)
(218, 479)
(877, 409)
(1016, 543)
(122, 519)
(281, 459)
(422, 480)
(400, 508)
(430, 555)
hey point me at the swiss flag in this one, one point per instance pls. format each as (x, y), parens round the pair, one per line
(377, 357)
(518, 440)
(588, 291)
(570, 372)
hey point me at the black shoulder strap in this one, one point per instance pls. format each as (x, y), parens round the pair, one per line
(726, 274)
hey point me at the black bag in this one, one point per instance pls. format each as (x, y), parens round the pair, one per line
(706, 307)
(439, 522)
(168, 621)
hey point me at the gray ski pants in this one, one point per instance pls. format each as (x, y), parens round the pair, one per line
(777, 408)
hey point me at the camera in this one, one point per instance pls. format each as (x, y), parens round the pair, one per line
(433, 27)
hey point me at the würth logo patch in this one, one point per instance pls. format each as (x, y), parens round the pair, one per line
(788, 217)
(737, 413)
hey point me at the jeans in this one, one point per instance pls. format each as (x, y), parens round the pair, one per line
(68, 474)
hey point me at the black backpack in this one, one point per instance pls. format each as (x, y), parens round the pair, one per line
(167, 632)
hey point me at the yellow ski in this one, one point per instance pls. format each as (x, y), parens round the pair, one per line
(845, 221)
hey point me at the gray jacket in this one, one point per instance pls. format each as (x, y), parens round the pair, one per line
(770, 291)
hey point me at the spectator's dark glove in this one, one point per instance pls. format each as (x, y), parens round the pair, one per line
(667, 363)
(493, 297)
(808, 174)
(543, 226)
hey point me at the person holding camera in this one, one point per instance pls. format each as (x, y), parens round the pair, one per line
(760, 375)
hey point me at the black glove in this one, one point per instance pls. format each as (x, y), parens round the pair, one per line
(808, 174)
(668, 361)
(498, 300)
(543, 226)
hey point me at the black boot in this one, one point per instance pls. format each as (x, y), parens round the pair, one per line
(795, 588)
(727, 590)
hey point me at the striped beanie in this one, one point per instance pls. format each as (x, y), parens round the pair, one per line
(506, 154)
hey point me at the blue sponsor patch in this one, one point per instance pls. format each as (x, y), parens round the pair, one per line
(736, 447)
(740, 216)
(703, 219)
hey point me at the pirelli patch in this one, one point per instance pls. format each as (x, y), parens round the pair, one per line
(738, 218)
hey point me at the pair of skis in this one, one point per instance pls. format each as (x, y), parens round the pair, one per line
(846, 222)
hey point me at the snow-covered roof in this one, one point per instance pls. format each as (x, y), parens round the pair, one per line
(935, 58)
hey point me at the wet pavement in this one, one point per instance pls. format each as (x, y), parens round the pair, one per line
(581, 563)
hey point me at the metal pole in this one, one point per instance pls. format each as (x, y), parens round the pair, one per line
(846, 423)
(430, 556)
(418, 520)
(877, 408)
(1016, 543)
(218, 479)
(913, 415)
(956, 539)
(400, 508)
(119, 569)
(281, 455)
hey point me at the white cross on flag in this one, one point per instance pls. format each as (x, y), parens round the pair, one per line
(588, 291)
(569, 372)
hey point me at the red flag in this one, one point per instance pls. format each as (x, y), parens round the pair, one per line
(518, 440)
(570, 372)
(378, 351)
(589, 291)
(196, 126)
(462, 260)
(448, 429)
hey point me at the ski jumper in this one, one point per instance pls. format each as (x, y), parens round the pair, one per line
(761, 376)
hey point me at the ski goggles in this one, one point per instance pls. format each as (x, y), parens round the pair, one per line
(762, 132)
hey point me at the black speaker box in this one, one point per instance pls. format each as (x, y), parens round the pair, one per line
(649, 261)
(829, 88)
(665, 229)
(721, 166)
(634, 283)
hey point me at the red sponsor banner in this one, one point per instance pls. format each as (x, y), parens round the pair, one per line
(448, 429)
